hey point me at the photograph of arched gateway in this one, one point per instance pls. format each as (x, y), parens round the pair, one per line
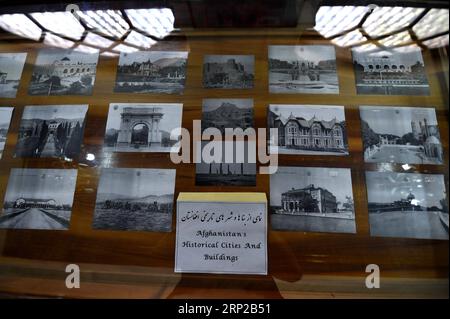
(143, 127)
(135, 199)
(394, 72)
(303, 69)
(312, 199)
(151, 72)
(11, 66)
(228, 71)
(400, 135)
(308, 129)
(63, 72)
(5, 119)
(51, 131)
(39, 199)
(407, 205)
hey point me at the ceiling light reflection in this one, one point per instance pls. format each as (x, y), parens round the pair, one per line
(107, 22)
(20, 25)
(140, 40)
(51, 39)
(437, 42)
(155, 22)
(334, 20)
(352, 38)
(434, 22)
(396, 39)
(97, 40)
(63, 23)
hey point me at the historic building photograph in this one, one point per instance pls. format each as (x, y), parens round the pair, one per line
(400, 135)
(308, 129)
(135, 199)
(228, 71)
(303, 69)
(5, 119)
(151, 72)
(142, 127)
(390, 72)
(11, 67)
(312, 199)
(39, 199)
(63, 72)
(407, 205)
(51, 131)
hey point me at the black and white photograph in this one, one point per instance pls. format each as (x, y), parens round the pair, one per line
(63, 72)
(309, 69)
(227, 113)
(11, 67)
(142, 127)
(135, 199)
(5, 119)
(151, 72)
(404, 135)
(390, 72)
(407, 205)
(51, 131)
(234, 164)
(308, 129)
(312, 199)
(39, 199)
(228, 71)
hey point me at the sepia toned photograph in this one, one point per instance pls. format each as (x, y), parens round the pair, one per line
(63, 72)
(309, 69)
(227, 113)
(11, 67)
(135, 199)
(228, 71)
(312, 199)
(407, 205)
(5, 119)
(390, 72)
(151, 72)
(51, 131)
(39, 199)
(308, 129)
(400, 135)
(142, 127)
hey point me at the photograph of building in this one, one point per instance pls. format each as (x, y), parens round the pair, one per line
(308, 129)
(312, 199)
(151, 72)
(303, 69)
(144, 127)
(407, 205)
(11, 67)
(390, 72)
(51, 131)
(5, 119)
(228, 71)
(400, 135)
(39, 199)
(63, 72)
(135, 199)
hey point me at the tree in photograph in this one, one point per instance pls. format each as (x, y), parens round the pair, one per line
(348, 204)
(42, 137)
(86, 80)
(74, 143)
(369, 137)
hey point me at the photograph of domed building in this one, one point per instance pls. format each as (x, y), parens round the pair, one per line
(11, 67)
(228, 71)
(400, 135)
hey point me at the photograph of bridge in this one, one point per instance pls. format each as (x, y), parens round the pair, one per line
(135, 199)
(407, 205)
(11, 67)
(228, 71)
(39, 199)
(312, 199)
(5, 119)
(51, 131)
(303, 69)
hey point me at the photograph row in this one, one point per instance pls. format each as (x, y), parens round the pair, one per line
(304, 199)
(307, 69)
(390, 134)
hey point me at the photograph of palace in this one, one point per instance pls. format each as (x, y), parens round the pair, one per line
(11, 67)
(400, 135)
(135, 199)
(5, 119)
(228, 71)
(390, 72)
(63, 72)
(142, 127)
(39, 199)
(407, 205)
(303, 69)
(151, 72)
(312, 199)
(227, 113)
(308, 129)
(51, 131)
